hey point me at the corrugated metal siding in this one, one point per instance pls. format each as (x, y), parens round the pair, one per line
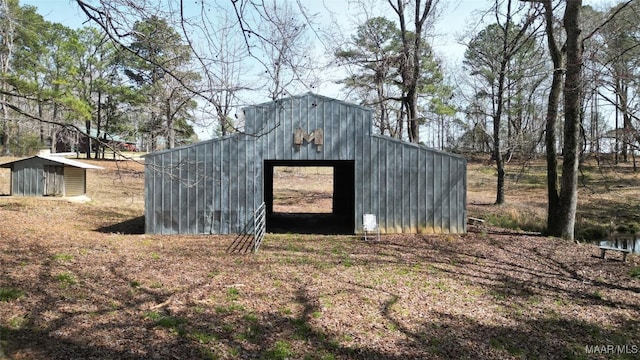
(410, 188)
(27, 178)
(273, 127)
(74, 181)
(214, 186)
(205, 188)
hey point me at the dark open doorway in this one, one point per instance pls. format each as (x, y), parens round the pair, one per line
(334, 217)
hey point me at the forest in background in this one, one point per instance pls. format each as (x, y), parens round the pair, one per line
(149, 88)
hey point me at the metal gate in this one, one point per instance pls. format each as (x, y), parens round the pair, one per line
(259, 226)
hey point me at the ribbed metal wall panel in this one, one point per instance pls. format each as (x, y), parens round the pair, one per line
(410, 188)
(74, 181)
(27, 177)
(214, 186)
(209, 187)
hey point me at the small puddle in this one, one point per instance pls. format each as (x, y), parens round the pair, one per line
(621, 241)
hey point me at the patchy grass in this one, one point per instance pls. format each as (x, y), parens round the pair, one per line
(81, 281)
(608, 199)
(62, 258)
(281, 350)
(66, 279)
(10, 294)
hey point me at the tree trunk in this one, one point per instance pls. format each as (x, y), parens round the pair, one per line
(623, 91)
(171, 137)
(6, 54)
(617, 145)
(412, 114)
(41, 116)
(4, 133)
(54, 130)
(98, 127)
(562, 207)
(551, 138)
(497, 124)
(572, 123)
(87, 125)
(98, 121)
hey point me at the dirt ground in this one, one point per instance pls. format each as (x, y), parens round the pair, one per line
(303, 189)
(80, 281)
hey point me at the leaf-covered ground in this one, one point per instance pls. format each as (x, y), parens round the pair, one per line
(79, 281)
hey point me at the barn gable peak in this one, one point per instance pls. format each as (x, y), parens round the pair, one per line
(309, 112)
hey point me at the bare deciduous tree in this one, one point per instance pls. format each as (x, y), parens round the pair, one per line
(289, 61)
(263, 28)
(8, 10)
(567, 81)
(494, 64)
(411, 65)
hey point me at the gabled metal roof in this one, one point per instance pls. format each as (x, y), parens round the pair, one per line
(56, 159)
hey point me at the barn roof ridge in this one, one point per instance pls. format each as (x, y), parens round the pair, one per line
(308, 94)
(199, 143)
(420, 146)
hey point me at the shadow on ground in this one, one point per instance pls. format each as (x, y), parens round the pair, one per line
(133, 226)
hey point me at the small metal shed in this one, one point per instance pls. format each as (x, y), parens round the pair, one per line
(213, 187)
(46, 175)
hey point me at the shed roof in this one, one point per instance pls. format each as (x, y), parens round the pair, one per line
(56, 159)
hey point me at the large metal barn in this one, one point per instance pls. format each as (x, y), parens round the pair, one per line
(214, 187)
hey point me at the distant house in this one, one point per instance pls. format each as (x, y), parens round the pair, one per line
(46, 175)
(73, 141)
